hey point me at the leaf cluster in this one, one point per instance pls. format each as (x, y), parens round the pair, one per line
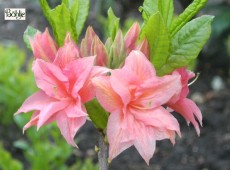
(174, 43)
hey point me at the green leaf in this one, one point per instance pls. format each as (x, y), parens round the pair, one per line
(60, 20)
(7, 162)
(187, 15)
(83, 11)
(79, 12)
(113, 24)
(97, 114)
(166, 8)
(29, 33)
(70, 17)
(187, 43)
(149, 7)
(45, 8)
(156, 33)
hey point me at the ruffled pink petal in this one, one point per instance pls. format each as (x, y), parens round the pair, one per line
(105, 94)
(50, 110)
(186, 75)
(76, 110)
(132, 36)
(35, 102)
(188, 109)
(157, 91)
(50, 78)
(159, 118)
(33, 121)
(43, 46)
(123, 81)
(78, 72)
(87, 92)
(67, 53)
(145, 142)
(35, 118)
(140, 65)
(117, 136)
(69, 127)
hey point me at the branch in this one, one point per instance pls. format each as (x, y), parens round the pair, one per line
(103, 152)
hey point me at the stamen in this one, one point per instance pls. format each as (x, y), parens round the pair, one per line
(195, 79)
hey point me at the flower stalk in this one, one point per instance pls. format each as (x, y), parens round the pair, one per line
(103, 152)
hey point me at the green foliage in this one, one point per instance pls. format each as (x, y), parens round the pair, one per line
(15, 84)
(29, 33)
(7, 162)
(228, 45)
(166, 8)
(156, 33)
(187, 15)
(97, 114)
(174, 43)
(44, 150)
(69, 16)
(187, 43)
(84, 165)
(113, 24)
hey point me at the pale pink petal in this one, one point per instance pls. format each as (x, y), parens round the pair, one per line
(132, 36)
(33, 121)
(187, 108)
(158, 118)
(140, 65)
(50, 78)
(186, 75)
(43, 46)
(78, 72)
(69, 126)
(75, 110)
(117, 136)
(87, 92)
(35, 118)
(35, 102)
(145, 142)
(157, 91)
(67, 53)
(49, 111)
(105, 94)
(123, 81)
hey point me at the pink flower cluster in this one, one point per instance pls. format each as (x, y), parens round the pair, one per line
(139, 101)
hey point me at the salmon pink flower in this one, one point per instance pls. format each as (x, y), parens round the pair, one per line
(134, 96)
(184, 106)
(43, 46)
(64, 83)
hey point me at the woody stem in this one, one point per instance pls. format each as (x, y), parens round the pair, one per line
(103, 152)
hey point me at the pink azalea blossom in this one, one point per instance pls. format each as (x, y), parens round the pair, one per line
(64, 83)
(43, 46)
(134, 96)
(186, 107)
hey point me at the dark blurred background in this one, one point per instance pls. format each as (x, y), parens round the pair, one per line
(47, 150)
